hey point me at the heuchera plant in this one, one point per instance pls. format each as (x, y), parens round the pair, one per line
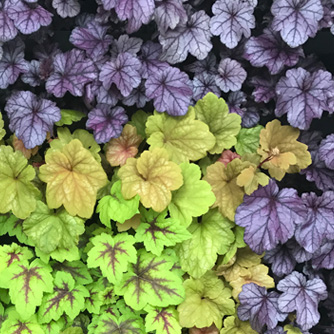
(158, 173)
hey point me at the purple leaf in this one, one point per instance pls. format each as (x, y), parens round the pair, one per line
(27, 18)
(231, 75)
(208, 65)
(250, 118)
(326, 151)
(271, 51)
(303, 96)
(66, 8)
(298, 252)
(296, 20)
(169, 13)
(327, 20)
(269, 216)
(123, 72)
(324, 257)
(318, 224)
(137, 97)
(93, 39)
(234, 102)
(170, 91)
(259, 307)
(276, 330)
(32, 77)
(108, 96)
(204, 83)
(303, 297)
(72, 71)
(109, 4)
(7, 27)
(126, 44)
(264, 88)
(311, 138)
(193, 37)
(231, 20)
(31, 117)
(106, 122)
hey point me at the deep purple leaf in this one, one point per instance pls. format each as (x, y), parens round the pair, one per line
(170, 90)
(326, 151)
(193, 37)
(137, 97)
(8, 30)
(66, 8)
(235, 101)
(327, 19)
(109, 96)
(204, 83)
(123, 72)
(32, 77)
(303, 297)
(231, 20)
(126, 44)
(264, 88)
(250, 118)
(311, 138)
(106, 122)
(324, 257)
(303, 96)
(208, 65)
(269, 216)
(296, 20)
(31, 117)
(231, 75)
(276, 330)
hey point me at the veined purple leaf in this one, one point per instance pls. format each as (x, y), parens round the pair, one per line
(204, 83)
(27, 18)
(250, 118)
(269, 216)
(324, 257)
(264, 88)
(312, 139)
(231, 75)
(208, 65)
(298, 252)
(303, 96)
(32, 77)
(72, 71)
(109, 4)
(126, 44)
(106, 122)
(31, 117)
(231, 20)
(271, 51)
(326, 151)
(194, 37)
(259, 307)
(170, 91)
(234, 101)
(66, 8)
(276, 330)
(303, 297)
(8, 30)
(123, 72)
(137, 97)
(296, 20)
(109, 96)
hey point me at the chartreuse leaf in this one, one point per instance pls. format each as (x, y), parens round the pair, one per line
(73, 178)
(213, 111)
(207, 301)
(112, 254)
(67, 297)
(232, 325)
(94, 301)
(250, 178)
(60, 254)
(184, 138)
(152, 176)
(150, 281)
(16, 176)
(193, 198)
(26, 283)
(10, 254)
(69, 116)
(2, 130)
(116, 207)
(157, 231)
(223, 181)
(73, 330)
(248, 140)
(210, 237)
(281, 152)
(51, 230)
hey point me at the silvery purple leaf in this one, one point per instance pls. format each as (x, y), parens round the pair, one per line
(234, 102)
(298, 252)
(66, 8)
(232, 20)
(27, 18)
(106, 122)
(303, 297)
(8, 30)
(276, 330)
(193, 37)
(46, 51)
(109, 4)
(208, 65)
(170, 90)
(236, 53)
(1, 51)
(250, 118)
(231, 75)
(123, 72)
(296, 20)
(84, 18)
(271, 51)
(324, 257)
(32, 77)
(326, 151)
(126, 44)
(72, 71)
(137, 97)
(109, 96)
(265, 88)
(303, 96)
(270, 216)
(259, 307)
(31, 117)
(204, 83)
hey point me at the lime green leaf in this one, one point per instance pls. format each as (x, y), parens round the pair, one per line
(16, 176)
(94, 301)
(116, 207)
(232, 325)
(213, 111)
(10, 254)
(69, 116)
(53, 327)
(72, 330)
(210, 237)
(184, 138)
(60, 254)
(248, 140)
(2, 130)
(207, 301)
(292, 330)
(138, 120)
(193, 198)
(157, 231)
(250, 178)
(73, 178)
(162, 320)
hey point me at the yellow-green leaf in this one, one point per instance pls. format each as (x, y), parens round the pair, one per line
(2, 130)
(250, 178)
(232, 325)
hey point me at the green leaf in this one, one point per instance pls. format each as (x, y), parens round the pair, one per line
(94, 301)
(112, 254)
(10, 254)
(207, 301)
(62, 254)
(162, 320)
(150, 281)
(69, 116)
(157, 231)
(213, 111)
(210, 237)
(2, 130)
(138, 120)
(193, 198)
(72, 330)
(248, 140)
(116, 207)
(239, 242)
(232, 325)
(54, 327)
(26, 285)
(51, 230)
(16, 176)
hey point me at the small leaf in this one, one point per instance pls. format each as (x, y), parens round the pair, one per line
(162, 320)
(250, 178)
(69, 116)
